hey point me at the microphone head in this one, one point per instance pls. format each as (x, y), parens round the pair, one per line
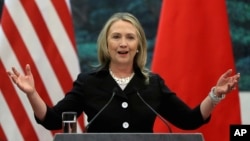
(115, 89)
(135, 89)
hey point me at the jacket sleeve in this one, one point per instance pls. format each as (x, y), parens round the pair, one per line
(52, 120)
(71, 102)
(177, 112)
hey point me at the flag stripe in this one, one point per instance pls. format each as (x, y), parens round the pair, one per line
(5, 109)
(41, 68)
(2, 135)
(21, 51)
(48, 44)
(32, 33)
(62, 9)
(8, 61)
(12, 99)
(59, 34)
(67, 47)
(6, 121)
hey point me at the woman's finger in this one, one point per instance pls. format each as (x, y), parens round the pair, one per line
(13, 77)
(28, 70)
(15, 72)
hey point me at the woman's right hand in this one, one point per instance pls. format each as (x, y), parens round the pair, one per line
(24, 81)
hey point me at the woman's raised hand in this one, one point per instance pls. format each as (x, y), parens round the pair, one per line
(226, 83)
(24, 81)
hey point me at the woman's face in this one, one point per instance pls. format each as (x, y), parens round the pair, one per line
(122, 42)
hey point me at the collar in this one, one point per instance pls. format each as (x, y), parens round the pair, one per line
(105, 71)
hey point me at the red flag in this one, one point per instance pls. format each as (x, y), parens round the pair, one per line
(193, 48)
(39, 33)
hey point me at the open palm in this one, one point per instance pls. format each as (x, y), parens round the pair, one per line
(24, 81)
(227, 83)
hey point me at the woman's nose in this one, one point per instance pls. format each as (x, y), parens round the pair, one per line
(123, 43)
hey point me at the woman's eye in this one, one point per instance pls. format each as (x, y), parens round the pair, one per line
(130, 37)
(116, 36)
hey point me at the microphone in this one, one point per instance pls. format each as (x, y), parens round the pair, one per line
(156, 113)
(103, 108)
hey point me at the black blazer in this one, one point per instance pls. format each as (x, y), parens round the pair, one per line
(126, 112)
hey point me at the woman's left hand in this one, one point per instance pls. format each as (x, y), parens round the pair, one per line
(226, 83)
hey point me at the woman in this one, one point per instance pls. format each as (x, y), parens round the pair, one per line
(132, 94)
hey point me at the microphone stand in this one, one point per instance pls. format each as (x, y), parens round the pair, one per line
(104, 107)
(156, 113)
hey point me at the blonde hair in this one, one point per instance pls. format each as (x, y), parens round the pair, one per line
(140, 58)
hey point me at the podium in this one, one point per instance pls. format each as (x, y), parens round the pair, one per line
(129, 137)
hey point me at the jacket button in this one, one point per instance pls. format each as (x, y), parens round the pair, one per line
(124, 105)
(125, 125)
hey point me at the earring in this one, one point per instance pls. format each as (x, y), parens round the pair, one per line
(137, 51)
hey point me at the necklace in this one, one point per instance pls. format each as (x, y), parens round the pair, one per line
(122, 81)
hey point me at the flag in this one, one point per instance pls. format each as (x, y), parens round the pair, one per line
(39, 33)
(193, 48)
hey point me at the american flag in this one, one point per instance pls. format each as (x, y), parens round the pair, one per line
(39, 33)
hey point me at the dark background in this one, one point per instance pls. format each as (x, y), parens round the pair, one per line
(90, 15)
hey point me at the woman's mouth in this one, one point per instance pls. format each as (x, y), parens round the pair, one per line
(122, 52)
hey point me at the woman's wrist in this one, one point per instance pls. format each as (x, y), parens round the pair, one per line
(31, 94)
(214, 97)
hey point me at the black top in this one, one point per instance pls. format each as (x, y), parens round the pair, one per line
(126, 112)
